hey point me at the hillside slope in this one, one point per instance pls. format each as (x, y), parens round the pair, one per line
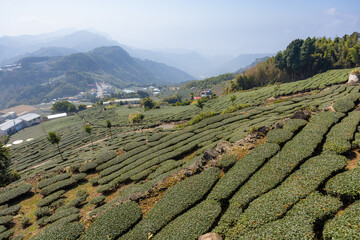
(236, 173)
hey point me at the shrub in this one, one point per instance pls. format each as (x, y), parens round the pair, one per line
(98, 200)
(242, 170)
(61, 214)
(294, 125)
(191, 224)
(279, 136)
(25, 221)
(345, 184)
(62, 184)
(58, 203)
(347, 103)
(165, 167)
(345, 225)
(88, 166)
(41, 212)
(61, 231)
(113, 222)
(227, 161)
(274, 204)
(13, 210)
(49, 181)
(6, 220)
(14, 193)
(175, 201)
(7, 234)
(51, 198)
(2, 228)
(196, 119)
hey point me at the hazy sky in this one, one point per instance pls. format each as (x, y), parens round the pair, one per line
(207, 26)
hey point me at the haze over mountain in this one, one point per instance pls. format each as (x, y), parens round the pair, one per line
(44, 78)
(69, 41)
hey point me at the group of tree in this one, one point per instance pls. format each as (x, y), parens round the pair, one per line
(6, 175)
(148, 103)
(208, 83)
(302, 59)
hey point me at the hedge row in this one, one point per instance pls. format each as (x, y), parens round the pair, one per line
(316, 207)
(2, 228)
(61, 231)
(49, 181)
(344, 225)
(339, 138)
(62, 184)
(133, 145)
(142, 175)
(294, 125)
(274, 204)
(191, 224)
(113, 222)
(10, 210)
(279, 136)
(14, 193)
(42, 212)
(277, 168)
(347, 103)
(50, 199)
(345, 184)
(97, 201)
(5, 220)
(227, 161)
(101, 158)
(175, 201)
(285, 228)
(156, 137)
(7, 234)
(61, 214)
(242, 170)
(165, 167)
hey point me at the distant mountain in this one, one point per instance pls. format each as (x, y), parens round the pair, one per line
(43, 78)
(80, 41)
(254, 63)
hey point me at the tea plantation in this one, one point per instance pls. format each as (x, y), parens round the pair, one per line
(279, 163)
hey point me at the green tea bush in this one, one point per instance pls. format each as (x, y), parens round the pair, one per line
(7, 234)
(294, 125)
(13, 210)
(345, 225)
(347, 103)
(113, 222)
(191, 224)
(227, 161)
(242, 170)
(58, 203)
(176, 200)
(345, 184)
(41, 212)
(13, 193)
(142, 175)
(98, 200)
(166, 167)
(2, 228)
(49, 181)
(49, 199)
(62, 184)
(133, 145)
(88, 166)
(274, 204)
(61, 214)
(279, 136)
(6, 220)
(61, 231)
(340, 136)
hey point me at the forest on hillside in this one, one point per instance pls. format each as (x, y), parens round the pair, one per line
(302, 59)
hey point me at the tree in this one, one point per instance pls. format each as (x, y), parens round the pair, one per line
(54, 138)
(199, 104)
(192, 96)
(232, 99)
(63, 106)
(81, 107)
(136, 118)
(4, 164)
(148, 103)
(109, 125)
(88, 129)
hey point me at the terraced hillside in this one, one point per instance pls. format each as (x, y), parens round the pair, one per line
(279, 163)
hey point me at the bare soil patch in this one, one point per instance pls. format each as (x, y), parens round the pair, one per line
(20, 110)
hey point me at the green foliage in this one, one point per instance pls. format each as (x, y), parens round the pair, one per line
(98, 200)
(242, 170)
(345, 225)
(113, 222)
(63, 106)
(191, 224)
(41, 212)
(25, 221)
(62, 214)
(274, 204)
(340, 136)
(4, 164)
(13, 210)
(47, 181)
(54, 138)
(13, 193)
(6, 220)
(196, 119)
(7, 234)
(345, 184)
(234, 108)
(175, 201)
(279, 136)
(227, 161)
(148, 103)
(49, 199)
(294, 125)
(61, 231)
(62, 184)
(87, 129)
(136, 117)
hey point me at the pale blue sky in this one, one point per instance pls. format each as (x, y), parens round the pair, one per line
(207, 26)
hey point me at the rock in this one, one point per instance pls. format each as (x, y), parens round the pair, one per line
(137, 196)
(301, 115)
(277, 125)
(210, 154)
(353, 78)
(263, 129)
(223, 146)
(210, 236)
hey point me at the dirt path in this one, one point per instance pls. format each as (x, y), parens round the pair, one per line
(353, 159)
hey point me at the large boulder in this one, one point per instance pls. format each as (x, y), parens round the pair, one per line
(210, 236)
(305, 115)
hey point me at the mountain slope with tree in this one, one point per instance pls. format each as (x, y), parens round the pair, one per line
(44, 78)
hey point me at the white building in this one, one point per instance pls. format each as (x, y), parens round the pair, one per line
(11, 126)
(127, 101)
(55, 116)
(31, 119)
